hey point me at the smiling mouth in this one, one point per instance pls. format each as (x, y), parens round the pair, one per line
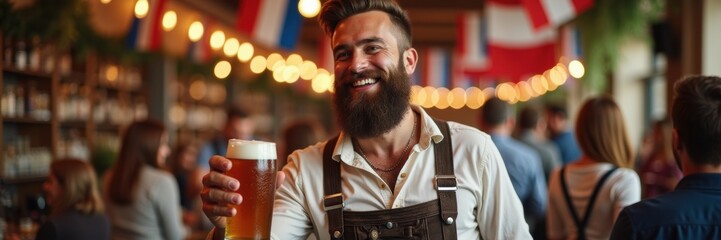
(364, 82)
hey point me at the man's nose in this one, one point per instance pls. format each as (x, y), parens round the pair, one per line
(359, 63)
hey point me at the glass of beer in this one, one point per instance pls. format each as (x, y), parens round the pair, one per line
(254, 167)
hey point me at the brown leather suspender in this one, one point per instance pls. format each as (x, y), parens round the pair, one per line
(445, 185)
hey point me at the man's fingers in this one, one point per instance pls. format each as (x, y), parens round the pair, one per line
(216, 196)
(218, 210)
(220, 163)
(218, 180)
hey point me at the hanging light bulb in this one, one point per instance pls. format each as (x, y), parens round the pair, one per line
(309, 8)
(170, 18)
(217, 39)
(195, 32)
(141, 8)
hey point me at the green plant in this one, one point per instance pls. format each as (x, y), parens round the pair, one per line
(604, 26)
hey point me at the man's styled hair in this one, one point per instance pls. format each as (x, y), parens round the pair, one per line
(495, 112)
(529, 117)
(557, 109)
(601, 132)
(335, 11)
(696, 114)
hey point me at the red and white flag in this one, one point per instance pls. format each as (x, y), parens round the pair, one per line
(472, 46)
(275, 23)
(515, 50)
(553, 13)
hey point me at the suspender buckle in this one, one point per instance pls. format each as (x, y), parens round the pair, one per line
(332, 202)
(446, 183)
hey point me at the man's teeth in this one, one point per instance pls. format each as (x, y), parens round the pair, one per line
(367, 81)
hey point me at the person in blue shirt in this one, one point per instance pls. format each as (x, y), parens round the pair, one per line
(561, 134)
(522, 162)
(693, 209)
(238, 125)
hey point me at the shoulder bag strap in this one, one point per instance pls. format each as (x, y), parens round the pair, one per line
(446, 184)
(333, 200)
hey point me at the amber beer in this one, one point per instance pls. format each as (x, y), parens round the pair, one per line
(254, 167)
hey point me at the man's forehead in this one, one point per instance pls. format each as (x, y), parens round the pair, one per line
(371, 24)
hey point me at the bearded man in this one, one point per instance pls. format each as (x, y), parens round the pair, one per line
(393, 172)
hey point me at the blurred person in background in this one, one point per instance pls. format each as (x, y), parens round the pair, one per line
(532, 131)
(585, 197)
(522, 162)
(560, 132)
(238, 125)
(77, 209)
(141, 197)
(658, 169)
(693, 209)
(183, 166)
(297, 135)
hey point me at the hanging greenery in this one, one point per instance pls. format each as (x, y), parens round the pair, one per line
(604, 27)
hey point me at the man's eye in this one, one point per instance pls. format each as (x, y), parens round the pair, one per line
(372, 48)
(341, 56)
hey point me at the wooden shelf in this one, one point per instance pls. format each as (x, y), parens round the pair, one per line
(73, 124)
(25, 120)
(34, 74)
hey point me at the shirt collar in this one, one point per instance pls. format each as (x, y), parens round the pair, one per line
(707, 181)
(429, 131)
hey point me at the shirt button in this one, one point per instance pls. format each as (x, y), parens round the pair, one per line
(403, 175)
(383, 185)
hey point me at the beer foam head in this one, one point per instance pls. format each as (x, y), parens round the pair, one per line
(244, 149)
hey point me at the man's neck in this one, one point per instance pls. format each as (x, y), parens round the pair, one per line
(386, 145)
(689, 169)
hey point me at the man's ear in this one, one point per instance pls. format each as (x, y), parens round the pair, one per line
(676, 144)
(410, 59)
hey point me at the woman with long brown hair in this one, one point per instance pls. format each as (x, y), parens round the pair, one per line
(586, 196)
(142, 197)
(77, 210)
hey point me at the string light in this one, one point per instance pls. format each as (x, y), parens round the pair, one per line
(245, 52)
(217, 39)
(141, 8)
(309, 8)
(222, 69)
(195, 32)
(576, 69)
(170, 18)
(258, 64)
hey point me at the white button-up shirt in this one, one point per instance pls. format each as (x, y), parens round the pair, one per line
(488, 207)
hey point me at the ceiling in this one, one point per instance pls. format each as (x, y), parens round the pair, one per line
(433, 21)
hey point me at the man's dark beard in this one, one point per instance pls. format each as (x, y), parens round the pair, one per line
(369, 115)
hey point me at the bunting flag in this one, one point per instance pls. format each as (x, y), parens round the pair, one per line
(472, 46)
(436, 68)
(275, 23)
(200, 51)
(547, 13)
(145, 33)
(515, 50)
(570, 41)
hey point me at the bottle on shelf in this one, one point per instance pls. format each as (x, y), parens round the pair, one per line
(8, 52)
(21, 54)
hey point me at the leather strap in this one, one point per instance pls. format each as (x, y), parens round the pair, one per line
(333, 200)
(445, 180)
(581, 224)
